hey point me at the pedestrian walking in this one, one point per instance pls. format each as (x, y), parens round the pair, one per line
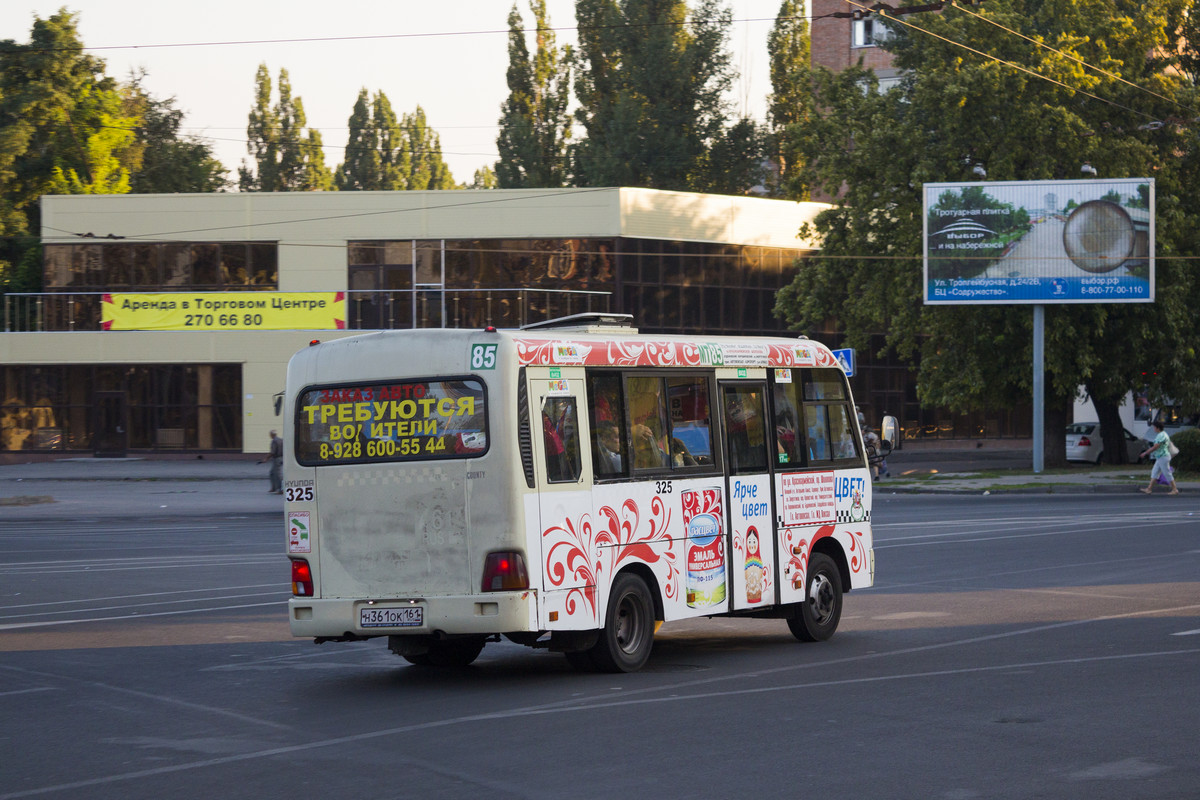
(1160, 450)
(275, 456)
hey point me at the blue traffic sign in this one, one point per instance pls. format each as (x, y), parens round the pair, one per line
(845, 359)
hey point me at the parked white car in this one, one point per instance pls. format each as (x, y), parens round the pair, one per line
(1084, 443)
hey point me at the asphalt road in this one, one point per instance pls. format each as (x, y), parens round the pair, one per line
(1013, 647)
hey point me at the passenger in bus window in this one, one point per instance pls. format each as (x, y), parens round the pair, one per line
(647, 452)
(556, 458)
(608, 448)
(787, 441)
(747, 437)
(680, 457)
(818, 441)
(842, 432)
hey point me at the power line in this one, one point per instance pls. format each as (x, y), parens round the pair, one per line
(422, 209)
(1074, 58)
(385, 36)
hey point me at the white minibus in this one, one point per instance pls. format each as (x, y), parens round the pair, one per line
(568, 485)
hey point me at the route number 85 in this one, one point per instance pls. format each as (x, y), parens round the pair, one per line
(483, 356)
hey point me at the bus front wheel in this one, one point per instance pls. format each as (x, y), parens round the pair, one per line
(628, 633)
(816, 618)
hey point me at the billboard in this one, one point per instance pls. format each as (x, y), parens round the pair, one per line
(1080, 241)
(223, 311)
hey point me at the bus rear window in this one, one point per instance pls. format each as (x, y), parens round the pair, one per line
(396, 421)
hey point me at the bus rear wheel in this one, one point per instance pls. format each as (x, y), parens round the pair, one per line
(816, 618)
(628, 633)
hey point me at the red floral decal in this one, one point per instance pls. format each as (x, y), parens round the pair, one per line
(797, 566)
(858, 554)
(569, 556)
(618, 539)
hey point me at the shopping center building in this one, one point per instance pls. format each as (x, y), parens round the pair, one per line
(167, 321)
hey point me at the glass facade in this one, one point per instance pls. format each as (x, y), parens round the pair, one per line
(162, 266)
(76, 275)
(668, 287)
(114, 408)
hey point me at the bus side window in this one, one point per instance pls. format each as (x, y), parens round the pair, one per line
(744, 428)
(816, 433)
(841, 432)
(828, 417)
(604, 413)
(691, 429)
(560, 433)
(647, 422)
(787, 425)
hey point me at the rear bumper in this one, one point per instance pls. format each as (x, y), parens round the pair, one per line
(494, 612)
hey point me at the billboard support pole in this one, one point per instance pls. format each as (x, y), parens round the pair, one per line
(1039, 387)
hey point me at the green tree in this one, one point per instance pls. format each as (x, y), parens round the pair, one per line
(534, 123)
(790, 104)
(63, 129)
(422, 143)
(735, 163)
(386, 153)
(165, 161)
(955, 109)
(286, 157)
(650, 81)
(484, 178)
(362, 168)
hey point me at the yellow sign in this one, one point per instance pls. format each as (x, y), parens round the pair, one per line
(224, 311)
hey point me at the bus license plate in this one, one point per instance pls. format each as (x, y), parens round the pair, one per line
(405, 617)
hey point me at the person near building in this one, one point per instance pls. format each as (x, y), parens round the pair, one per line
(1160, 451)
(275, 456)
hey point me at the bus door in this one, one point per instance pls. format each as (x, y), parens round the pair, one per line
(563, 476)
(752, 545)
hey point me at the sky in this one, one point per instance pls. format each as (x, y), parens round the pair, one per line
(449, 57)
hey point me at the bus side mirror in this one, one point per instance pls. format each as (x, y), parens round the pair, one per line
(889, 431)
(278, 404)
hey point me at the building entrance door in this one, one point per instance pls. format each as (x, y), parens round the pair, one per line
(111, 437)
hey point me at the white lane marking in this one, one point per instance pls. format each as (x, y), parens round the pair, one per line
(110, 598)
(1187, 633)
(564, 707)
(51, 623)
(28, 691)
(279, 589)
(149, 696)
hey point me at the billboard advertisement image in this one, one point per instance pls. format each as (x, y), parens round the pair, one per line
(1080, 241)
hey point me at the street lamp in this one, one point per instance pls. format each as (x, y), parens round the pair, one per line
(1088, 169)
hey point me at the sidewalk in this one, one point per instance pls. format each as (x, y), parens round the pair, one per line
(79, 488)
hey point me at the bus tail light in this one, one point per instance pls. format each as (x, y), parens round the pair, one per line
(302, 581)
(504, 571)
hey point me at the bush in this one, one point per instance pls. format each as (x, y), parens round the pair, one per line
(1188, 442)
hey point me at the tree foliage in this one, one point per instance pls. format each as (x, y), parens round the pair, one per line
(287, 158)
(790, 104)
(167, 162)
(650, 81)
(1068, 81)
(534, 123)
(428, 170)
(63, 130)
